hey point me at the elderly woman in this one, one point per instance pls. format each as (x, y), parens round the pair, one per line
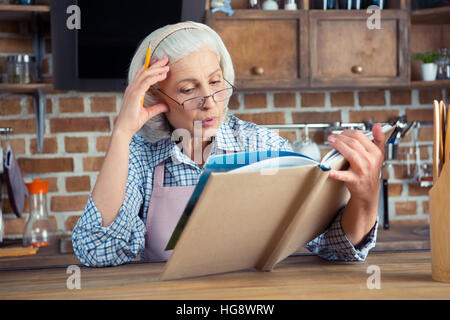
(146, 174)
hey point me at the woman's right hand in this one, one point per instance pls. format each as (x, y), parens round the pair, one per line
(133, 115)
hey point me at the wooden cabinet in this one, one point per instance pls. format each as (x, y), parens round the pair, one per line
(344, 52)
(268, 49)
(304, 49)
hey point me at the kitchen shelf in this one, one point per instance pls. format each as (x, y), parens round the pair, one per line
(24, 88)
(11, 12)
(440, 15)
(430, 84)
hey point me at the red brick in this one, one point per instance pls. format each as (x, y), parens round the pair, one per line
(405, 208)
(76, 184)
(372, 98)
(76, 145)
(427, 96)
(68, 203)
(401, 97)
(103, 104)
(71, 222)
(342, 99)
(254, 101)
(45, 165)
(426, 133)
(424, 115)
(50, 146)
(19, 126)
(102, 143)
(263, 118)
(316, 117)
(9, 107)
(373, 115)
(67, 105)
(395, 189)
(92, 163)
(401, 171)
(426, 207)
(60, 125)
(48, 106)
(284, 100)
(313, 99)
(17, 145)
(416, 190)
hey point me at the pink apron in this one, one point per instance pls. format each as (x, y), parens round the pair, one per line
(166, 206)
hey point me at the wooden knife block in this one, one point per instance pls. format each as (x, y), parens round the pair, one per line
(440, 225)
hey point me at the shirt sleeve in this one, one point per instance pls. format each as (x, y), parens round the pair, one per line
(123, 240)
(333, 244)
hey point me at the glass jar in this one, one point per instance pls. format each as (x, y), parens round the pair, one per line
(21, 68)
(443, 64)
(39, 231)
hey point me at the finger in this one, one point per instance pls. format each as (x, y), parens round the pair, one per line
(155, 71)
(353, 154)
(351, 142)
(145, 84)
(159, 62)
(379, 139)
(368, 145)
(156, 109)
(342, 175)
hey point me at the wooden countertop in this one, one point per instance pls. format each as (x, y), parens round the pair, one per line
(402, 253)
(404, 275)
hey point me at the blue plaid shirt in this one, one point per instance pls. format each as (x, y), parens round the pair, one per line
(123, 241)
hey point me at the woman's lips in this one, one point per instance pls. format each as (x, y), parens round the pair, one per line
(208, 122)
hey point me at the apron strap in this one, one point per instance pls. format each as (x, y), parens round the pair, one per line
(158, 177)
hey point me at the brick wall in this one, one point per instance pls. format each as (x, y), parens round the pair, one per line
(78, 125)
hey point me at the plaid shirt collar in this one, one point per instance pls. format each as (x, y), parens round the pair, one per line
(226, 140)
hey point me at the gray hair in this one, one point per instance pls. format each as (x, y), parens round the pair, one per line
(177, 41)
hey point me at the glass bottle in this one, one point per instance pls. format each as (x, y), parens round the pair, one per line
(21, 68)
(39, 231)
(443, 64)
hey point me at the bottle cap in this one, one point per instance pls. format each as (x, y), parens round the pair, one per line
(37, 186)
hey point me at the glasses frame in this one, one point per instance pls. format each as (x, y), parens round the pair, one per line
(203, 97)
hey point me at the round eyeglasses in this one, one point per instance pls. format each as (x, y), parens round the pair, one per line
(198, 102)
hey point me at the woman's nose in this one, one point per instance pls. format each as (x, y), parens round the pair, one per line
(208, 103)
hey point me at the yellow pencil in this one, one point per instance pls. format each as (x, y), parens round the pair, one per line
(147, 62)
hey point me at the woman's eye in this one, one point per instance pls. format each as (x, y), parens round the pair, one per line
(216, 82)
(186, 91)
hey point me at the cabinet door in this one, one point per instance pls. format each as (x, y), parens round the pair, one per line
(268, 49)
(344, 52)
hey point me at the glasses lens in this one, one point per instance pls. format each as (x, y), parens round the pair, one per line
(223, 94)
(197, 103)
(194, 103)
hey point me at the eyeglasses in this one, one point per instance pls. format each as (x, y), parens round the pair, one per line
(198, 102)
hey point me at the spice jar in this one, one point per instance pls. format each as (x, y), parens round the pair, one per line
(21, 68)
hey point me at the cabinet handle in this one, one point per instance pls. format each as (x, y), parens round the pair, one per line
(258, 71)
(357, 69)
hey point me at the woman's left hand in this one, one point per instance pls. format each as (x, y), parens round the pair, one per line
(365, 158)
(362, 179)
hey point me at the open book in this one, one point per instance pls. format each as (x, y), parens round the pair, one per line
(252, 210)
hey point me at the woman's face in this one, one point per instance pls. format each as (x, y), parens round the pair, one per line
(196, 75)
